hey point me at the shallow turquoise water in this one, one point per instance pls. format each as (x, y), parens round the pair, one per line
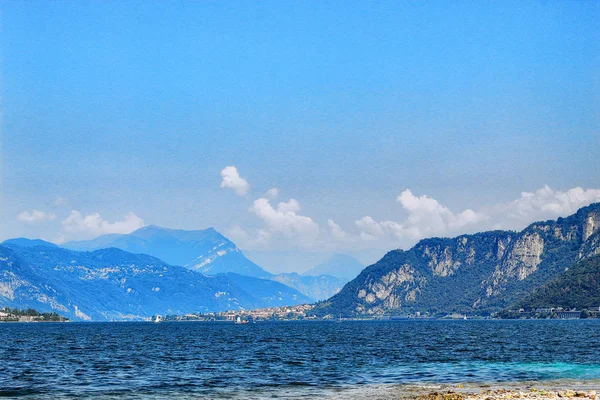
(286, 359)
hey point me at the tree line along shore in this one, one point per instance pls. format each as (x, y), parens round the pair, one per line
(29, 315)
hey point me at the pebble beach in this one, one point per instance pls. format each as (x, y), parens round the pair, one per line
(522, 391)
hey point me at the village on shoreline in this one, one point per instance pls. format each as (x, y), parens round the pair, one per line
(306, 312)
(29, 315)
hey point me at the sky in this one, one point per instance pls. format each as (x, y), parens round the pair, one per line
(315, 126)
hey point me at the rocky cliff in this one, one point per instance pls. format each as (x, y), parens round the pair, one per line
(476, 274)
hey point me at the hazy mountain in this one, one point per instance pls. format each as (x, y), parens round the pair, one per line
(284, 261)
(341, 266)
(270, 293)
(23, 242)
(205, 251)
(115, 284)
(316, 287)
(478, 273)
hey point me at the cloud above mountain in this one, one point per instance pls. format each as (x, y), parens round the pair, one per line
(272, 224)
(548, 203)
(284, 220)
(35, 216)
(92, 225)
(233, 180)
(282, 226)
(426, 217)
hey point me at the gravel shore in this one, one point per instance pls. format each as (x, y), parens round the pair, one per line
(510, 394)
(510, 391)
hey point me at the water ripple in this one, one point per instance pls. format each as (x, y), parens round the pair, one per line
(219, 360)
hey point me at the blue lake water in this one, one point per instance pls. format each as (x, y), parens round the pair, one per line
(285, 359)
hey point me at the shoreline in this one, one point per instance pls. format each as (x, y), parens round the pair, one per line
(522, 390)
(526, 390)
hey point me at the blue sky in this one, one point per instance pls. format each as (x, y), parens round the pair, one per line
(127, 112)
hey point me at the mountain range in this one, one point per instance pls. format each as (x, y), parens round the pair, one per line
(473, 274)
(133, 276)
(111, 284)
(85, 279)
(210, 253)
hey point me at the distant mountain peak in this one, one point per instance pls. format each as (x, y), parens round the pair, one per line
(182, 234)
(205, 251)
(341, 266)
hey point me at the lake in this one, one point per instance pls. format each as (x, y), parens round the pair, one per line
(286, 359)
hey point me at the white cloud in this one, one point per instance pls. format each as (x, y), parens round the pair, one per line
(60, 202)
(426, 217)
(35, 216)
(336, 231)
(233, 180)
(282, 225)
(272, 193)
(369, 227)
(93, 225)
(284, 221)
(546, 203)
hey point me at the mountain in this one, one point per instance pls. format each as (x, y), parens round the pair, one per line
(316, 287)
(578, 287)
(114, 284)
(270, 292)
(205, 251)
(23, 242)
(341, 266)
(476, 274)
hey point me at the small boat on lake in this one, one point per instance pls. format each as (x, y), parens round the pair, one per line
(239, 320)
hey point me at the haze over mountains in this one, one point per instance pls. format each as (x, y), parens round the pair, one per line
(300, 261)
(319, 287)
(122, 277)
(208, 252)
(341, 266)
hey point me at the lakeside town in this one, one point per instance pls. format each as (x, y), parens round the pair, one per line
(551, 312)
(305, 312)
(285, 313)
(29, 315)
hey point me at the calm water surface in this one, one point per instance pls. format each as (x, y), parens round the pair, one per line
(285, 359)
